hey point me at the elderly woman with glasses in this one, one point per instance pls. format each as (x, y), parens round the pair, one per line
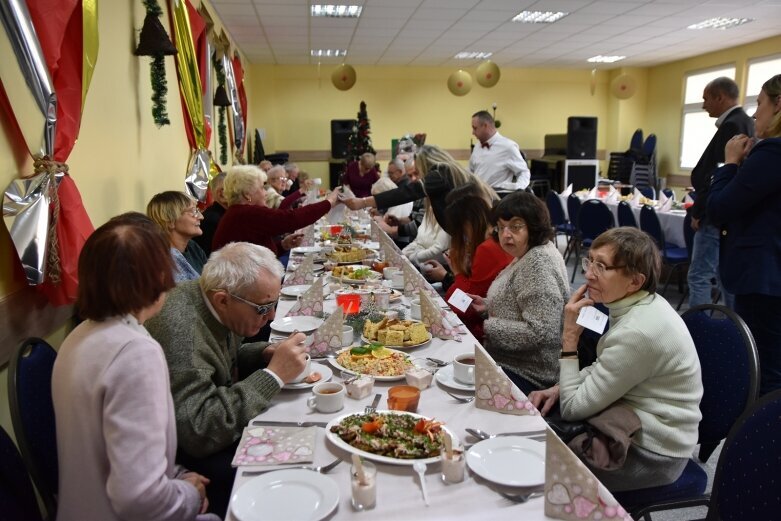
(179, 217)
(523, 306)
(646, 362)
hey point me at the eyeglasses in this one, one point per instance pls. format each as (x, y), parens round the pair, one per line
(194, 211)
(514, 228)
(260, 309)
(598, 268)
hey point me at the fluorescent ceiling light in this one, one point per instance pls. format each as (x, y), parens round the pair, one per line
(472, 55)
(337, 11)
(720, 23)
(328, 53)
(605, 59)
(539, 17)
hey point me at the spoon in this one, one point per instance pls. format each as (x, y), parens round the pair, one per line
(437, 362)
(420, 468)
(477, 433)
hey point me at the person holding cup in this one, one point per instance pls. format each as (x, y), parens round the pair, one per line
(523, 307)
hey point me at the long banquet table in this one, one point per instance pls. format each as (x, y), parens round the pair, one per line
(398, 489)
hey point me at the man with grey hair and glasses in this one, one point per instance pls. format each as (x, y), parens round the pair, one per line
(218, 383)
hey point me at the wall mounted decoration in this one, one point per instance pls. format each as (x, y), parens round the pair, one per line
(154, 42)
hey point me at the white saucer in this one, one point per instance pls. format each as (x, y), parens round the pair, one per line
(446, 378)
(323, 369)
(302, 250)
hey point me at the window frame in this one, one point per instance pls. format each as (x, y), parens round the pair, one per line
(750, 100)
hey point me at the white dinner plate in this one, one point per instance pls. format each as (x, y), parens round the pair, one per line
(446, 378)
(376, 378)
(303, 250)
(294, 291)
(514, 461)
(339, 442)
(304, 324)
(316, 268)
(286, 495)
(325, 371)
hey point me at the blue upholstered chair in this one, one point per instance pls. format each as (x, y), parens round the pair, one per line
(636, 143)
(626, 217)
(32, 415)
(675, 257)
(594, 218)
(728, 358)
(17, 498)
(559, 221)
(573, 210)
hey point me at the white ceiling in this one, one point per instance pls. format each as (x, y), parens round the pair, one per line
(431, 32)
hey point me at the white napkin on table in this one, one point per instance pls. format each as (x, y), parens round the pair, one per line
(666, 206)
(662, 198)
(593, 194)
(612, 197)
(636, 196)
(567, 191)
(687, 199)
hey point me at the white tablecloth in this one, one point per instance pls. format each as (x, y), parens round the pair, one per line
(671, 222)
(398, 490)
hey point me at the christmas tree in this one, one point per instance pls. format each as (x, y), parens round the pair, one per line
(359, 141)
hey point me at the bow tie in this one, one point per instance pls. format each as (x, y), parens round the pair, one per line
(486, 145)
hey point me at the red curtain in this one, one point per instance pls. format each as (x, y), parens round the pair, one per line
(58, 24)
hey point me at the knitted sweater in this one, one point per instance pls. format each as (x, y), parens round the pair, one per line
(646, 361)
(525, 304)
(204, 358)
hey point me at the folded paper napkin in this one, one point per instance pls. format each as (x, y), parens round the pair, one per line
(636, 198)
(309, 236)
(661, 198)
(568, 191)
(304, 273)
(687, 199)
(612, 197)
(495, 391)
(393, 257)
(374, 231)
(571, 490)
(328, 337)
(666, 206)
(434, 317)
(275, 446)
(593, 194)
(413, 280)
(310, 303)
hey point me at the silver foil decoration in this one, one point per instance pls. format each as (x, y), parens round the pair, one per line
(233, 95)
(27, 83)
(26, 214)
(197, 180)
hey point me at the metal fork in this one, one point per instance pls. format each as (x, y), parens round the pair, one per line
(371, 409)
(522, 498)
(461, 399)
(322, 469)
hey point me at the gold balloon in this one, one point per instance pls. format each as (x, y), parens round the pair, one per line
(460, 82)
(488, 74)
(623, 86)
(343, 77)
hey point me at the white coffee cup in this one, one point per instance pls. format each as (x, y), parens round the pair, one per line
(414, 309)
(464, 368)
(327, 397)
(305, 372)
(397, 279)
(389, 271)
(347, 336)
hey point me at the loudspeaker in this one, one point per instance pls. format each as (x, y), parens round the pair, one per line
(340, 132)
(581, 137)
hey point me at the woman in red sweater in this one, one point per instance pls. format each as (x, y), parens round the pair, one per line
(476, 258)
(248, 219)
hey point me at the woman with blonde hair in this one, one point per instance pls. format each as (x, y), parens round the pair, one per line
(361, 175)
(248, 219)
(744, 200)
(179, 217)
(438, 174)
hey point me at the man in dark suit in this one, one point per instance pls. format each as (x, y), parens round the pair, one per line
(720, 100)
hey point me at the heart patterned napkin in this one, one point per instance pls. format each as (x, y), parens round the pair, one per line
(495, 391)
(571, 490)
(434, 318)
(413, 280)
(374, 231)
(310, 303)
(304, 273)
(309, 236)
(328, 337)
(275, 445)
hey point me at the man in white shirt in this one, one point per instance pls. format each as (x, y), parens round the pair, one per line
(497, 160)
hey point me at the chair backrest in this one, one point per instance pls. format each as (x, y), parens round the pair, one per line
(636, 143)
(32, 415)
(649, 145)
(688, 233)
(669, 193)
(594, 218)
(643, 176)
(649, 223)
(17, 498)
(619, 167)
(573, 209)
(746, 482)
(555, 209)
(728, 359)
(626, 217)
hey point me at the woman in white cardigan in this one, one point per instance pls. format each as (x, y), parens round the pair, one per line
(116, 434)
(430, 244)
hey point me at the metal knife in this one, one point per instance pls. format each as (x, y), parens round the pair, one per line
(289, 424)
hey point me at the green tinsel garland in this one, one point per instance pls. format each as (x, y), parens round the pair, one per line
(223, 135)
(159, 91)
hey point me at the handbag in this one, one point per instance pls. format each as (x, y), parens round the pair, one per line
(566, 430)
